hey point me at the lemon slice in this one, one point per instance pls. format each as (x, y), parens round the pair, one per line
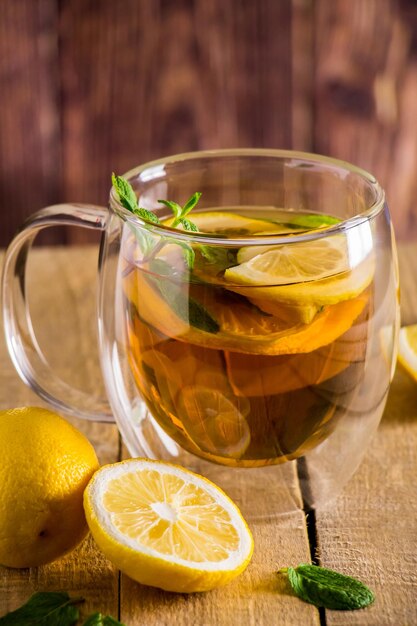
(241, 329)
(407, 349)
(311, 273)
(167, 527)
(229, 223)
(213, 422)
(287, 264)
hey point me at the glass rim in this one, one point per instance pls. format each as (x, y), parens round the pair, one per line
(267, 239)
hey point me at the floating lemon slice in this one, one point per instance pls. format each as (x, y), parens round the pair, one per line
(241, 328)
(229, 223)
(167, 527)
(214, 423)
(311, 273)
(407, 349)
(291, 263)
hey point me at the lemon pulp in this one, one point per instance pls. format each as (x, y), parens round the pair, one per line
(407, 349)
(167, 527)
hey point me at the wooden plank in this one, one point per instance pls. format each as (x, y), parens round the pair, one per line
(163, 78)
(29, 123)
(259, 594)
(370, 531)
(65, 309)
(366, 89)
(303, 72)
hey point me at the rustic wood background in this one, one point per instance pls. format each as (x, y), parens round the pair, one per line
(91, 86)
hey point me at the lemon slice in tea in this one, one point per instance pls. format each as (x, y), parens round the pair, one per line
(213, 422)
(288, 264)
(312, 272)
(230, 223)
(167, 527)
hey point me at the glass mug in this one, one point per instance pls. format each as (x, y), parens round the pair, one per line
(265, 362)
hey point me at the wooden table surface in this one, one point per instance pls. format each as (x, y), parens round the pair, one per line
(370, 531)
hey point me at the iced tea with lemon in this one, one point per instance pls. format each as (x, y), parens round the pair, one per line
(249, 357)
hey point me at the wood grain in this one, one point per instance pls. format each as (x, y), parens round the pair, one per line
(87, 88)
(180, 76)
(85, 572)
(366, 90)
(29, 124)
(370, 530)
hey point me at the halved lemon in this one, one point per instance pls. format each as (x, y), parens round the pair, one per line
(167, 527)
(407, 349)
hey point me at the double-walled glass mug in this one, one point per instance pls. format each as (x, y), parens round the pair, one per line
(258, 350)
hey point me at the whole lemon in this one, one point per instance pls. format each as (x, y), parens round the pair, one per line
(45, 465)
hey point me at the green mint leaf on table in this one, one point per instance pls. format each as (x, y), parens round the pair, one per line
(45, 609)
(325, 587)
(97, 619)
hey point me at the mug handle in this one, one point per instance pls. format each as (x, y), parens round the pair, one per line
(23, 347)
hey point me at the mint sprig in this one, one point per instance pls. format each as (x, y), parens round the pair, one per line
(181, 211)
(129, 201)
(53, 608)
(326, 588)
(124, 189)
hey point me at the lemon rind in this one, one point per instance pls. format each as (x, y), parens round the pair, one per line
(131, 556)
(407, 357)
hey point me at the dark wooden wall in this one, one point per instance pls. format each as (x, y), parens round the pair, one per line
(91, 86)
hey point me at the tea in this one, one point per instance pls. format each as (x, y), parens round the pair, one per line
(250, 357)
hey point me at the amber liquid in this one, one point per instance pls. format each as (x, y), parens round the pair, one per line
(260, 388)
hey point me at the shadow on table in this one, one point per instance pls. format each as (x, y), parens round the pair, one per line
(154, 601)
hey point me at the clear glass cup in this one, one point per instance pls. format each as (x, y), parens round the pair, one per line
(265, 384)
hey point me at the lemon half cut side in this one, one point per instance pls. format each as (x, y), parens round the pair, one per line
(167, 527)
(407, 349)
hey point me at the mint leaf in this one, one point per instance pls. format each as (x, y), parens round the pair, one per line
(127, 198)
(222, 257)
(97, 619)
(146, 243)
(48, 608)
(146, 215)
(313, 221)
(200, 318)
(125, 192)
(175, 208)
(188, 225)
(325, 587)
(178, 299)
(190, 204)
(189, 254)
